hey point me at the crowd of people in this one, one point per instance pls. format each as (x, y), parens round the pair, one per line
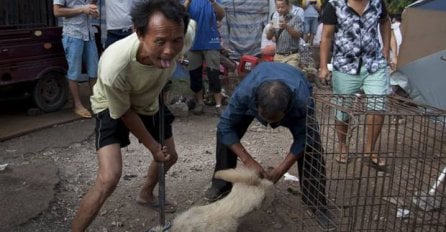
(145, 38)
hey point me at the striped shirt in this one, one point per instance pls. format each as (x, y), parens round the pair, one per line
(78, 26)
(284, 42)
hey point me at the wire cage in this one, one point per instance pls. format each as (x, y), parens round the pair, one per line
(407, 194)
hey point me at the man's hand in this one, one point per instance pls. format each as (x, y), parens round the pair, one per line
(252, 164)
(324, 73)
(282, 23)
(161, 154)
(91, 9)
(273, 174)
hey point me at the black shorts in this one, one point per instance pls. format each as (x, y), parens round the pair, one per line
(110, 131)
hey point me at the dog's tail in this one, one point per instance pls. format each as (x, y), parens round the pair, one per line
(239, 175)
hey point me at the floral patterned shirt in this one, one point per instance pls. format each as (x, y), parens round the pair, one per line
(356, 39)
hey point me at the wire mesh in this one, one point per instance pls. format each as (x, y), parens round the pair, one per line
(407, 194)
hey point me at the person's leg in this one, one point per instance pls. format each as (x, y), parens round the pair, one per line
(307, 26)
(312, 176)
(225, 159)
(146, 194)
(109, 173)
(75, 94)
(195, 68)
(293, 60)
(311, 168)
(343, 84)
(212, 58)
(91, 59)
(313, 29)
(196, 85)
(73, 52)
(375, 84)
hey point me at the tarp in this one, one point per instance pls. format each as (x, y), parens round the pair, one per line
(422, 57)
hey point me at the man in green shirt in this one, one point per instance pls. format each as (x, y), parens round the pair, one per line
(132, 72)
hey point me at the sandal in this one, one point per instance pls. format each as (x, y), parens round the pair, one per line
(377, 161)
(342, 158)
(84, 113)
(168, 206)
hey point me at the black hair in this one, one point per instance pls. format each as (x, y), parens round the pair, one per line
(286, 1)
(273, 96)
(142, 12)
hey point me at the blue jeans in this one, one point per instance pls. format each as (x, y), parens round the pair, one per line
(115, 35)
(78, 51)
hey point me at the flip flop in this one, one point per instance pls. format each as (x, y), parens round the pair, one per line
(168, 206)
(84, 113)
(377, 162)
(341, 158)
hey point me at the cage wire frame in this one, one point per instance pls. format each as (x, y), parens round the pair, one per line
(361, 197)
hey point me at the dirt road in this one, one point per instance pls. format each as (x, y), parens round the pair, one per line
(70, 147)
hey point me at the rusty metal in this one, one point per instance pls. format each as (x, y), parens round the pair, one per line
(364, 198)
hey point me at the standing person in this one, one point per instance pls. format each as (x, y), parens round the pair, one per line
(358, 62)
(206, 47)
(132, 74)
(276, 94)
(286, 32)
(78, 40)
(311, 21)
(118, 20)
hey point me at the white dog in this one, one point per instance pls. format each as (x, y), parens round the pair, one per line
(248, 193)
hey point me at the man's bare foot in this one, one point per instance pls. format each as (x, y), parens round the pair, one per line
(342, 157)
(81, 111)
(153, 203)
(380, 162)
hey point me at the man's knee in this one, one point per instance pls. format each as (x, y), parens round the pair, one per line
(107, 181)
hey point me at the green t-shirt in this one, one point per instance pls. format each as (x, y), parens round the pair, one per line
(123, 83)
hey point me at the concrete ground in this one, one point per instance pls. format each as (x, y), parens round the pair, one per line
(28, 184)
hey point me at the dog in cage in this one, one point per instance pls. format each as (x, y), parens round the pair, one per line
(249, 192)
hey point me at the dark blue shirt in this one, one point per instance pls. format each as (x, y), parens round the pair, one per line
(243, 103)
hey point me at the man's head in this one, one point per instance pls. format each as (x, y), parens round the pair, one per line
(160, 26)
(273, 99)
(283, 7)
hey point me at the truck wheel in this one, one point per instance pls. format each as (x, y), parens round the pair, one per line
(50, 92)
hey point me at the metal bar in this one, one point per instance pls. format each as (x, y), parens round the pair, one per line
(161, 176)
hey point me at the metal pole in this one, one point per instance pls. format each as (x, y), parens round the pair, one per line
(161, 177)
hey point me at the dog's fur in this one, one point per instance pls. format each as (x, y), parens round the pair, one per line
(248, 193)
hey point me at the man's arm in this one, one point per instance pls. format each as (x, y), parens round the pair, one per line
(62, 11)
(247, 159)
(219, 11)
(385, 35)
(275, 174)
(134, 123)
(394, 49)
(325, 47)
(294, 30)
(270, 33)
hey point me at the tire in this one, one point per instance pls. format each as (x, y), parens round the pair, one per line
(50, 92)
